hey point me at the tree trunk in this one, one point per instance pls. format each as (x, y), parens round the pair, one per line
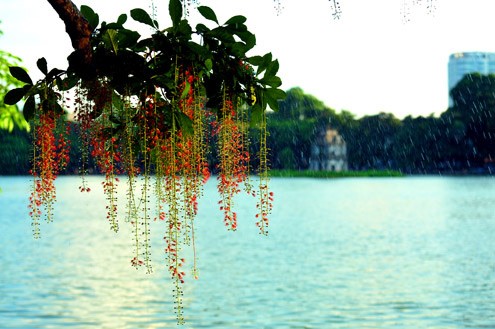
(77, 27)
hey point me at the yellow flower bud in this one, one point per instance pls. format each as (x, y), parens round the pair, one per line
(252, 95)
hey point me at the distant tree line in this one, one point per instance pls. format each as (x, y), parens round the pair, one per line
(16, 152)
(460, 140)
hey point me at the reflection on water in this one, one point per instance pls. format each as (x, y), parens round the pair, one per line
(348, 253)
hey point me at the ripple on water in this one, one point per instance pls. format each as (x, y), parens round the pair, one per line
(351, 253)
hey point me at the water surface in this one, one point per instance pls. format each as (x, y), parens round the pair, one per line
(414, 252)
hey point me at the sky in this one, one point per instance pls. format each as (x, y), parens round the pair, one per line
(373, 59)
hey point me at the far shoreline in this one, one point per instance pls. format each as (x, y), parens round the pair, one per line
(287, 173)
(294, 173)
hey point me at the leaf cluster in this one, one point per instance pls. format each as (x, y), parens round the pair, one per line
(135, 66)
(46, 89)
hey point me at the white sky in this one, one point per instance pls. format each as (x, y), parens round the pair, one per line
(367, 62)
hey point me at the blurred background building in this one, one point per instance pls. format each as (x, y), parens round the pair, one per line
(463, 63)
(328, 152)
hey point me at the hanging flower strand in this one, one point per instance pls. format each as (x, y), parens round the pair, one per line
(265, 201)
(164, 111)
(232, 165)
(50, 157)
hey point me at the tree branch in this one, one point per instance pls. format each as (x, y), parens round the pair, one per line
(77, 27)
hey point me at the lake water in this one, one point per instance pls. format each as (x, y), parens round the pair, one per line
(414, 252)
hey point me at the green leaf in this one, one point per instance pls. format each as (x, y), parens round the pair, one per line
(175, 10)
(163, 81)
(201, 28)
(29, 108)
(256, 115)
(272, 97)
(272, 68)
(117, 102)
(19, 120)
(267, 60)
(142, 16)
(127, 38)
(273, 103)
(122, 19)
(239, 49)
(272, 81)
(42, 65)
(11, 126)
(239, 19)
(255, 60)
(275, 93)
(197, 49)
(185, 123)
(112, 26)
(223, 34)
(114, 119)
(248, 38)
(143, 44)
(11, 117)
(6, 123)
(54, 72)
(185, 91)
(27, 89)
(14, 96)
(185, 29)
(20, 74)
(209, 64)
(57, 108)
(208, 13)
(110, 39)
(68, 83)
(92, 17)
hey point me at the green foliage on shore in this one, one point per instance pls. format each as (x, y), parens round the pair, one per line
(459, 141)
(10, 117)
(15, 151)
(335, 174)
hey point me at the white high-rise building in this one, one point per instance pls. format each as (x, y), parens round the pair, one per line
(461, 64)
